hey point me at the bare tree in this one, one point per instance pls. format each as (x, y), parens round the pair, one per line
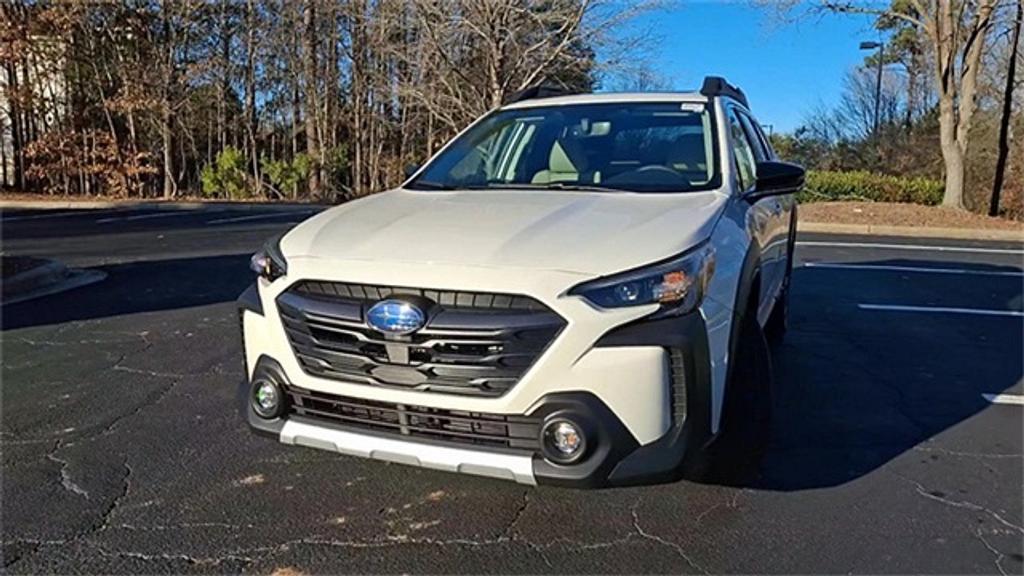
(1004, 123)
(304, 99)
(957, 31)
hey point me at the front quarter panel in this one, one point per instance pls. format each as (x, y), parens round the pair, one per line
(732, 241)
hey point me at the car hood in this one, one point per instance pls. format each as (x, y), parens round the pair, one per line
(594, 233)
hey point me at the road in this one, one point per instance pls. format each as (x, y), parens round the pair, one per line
(122, 451)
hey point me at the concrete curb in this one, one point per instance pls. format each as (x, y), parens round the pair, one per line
(49, 278)
(34, 279)
(74, 279)
(152, 205)
(912, 231)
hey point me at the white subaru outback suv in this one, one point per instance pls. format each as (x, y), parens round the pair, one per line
(575, 291)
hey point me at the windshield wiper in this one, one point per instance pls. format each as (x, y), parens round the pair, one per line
(569, 186)
(426, 185)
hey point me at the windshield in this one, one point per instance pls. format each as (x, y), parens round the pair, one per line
(657, 147)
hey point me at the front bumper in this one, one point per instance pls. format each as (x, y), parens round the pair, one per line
(673, 351)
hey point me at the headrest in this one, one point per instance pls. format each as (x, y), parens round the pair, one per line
(567, 156)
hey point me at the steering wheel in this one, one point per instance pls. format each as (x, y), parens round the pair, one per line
(659, 168)
(657, 175)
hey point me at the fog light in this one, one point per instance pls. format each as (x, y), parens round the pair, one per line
(266, 399)
(564, 441)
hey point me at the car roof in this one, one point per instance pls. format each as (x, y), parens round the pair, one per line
(608, 98)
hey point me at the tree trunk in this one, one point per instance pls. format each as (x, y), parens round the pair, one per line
(250, 92)
(358, 43)
(952, 153)
(332, 91)
(166, 113)
(1004, 123)
(17, 135)
(310, 68)
(957, 101)
(168, 143)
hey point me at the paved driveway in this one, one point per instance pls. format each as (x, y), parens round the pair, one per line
(122, 451)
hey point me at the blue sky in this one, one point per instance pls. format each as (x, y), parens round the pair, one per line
(786, 69)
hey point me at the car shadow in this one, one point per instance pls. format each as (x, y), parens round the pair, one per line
(134, 287)
(856, 388)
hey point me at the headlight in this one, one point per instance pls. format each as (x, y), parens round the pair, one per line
(269, 262)
(678, 284)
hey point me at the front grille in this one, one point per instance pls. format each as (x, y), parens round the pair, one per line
(473, 343)
(491, 430)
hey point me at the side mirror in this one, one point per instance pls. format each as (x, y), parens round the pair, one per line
(777, 178)
(410, 170)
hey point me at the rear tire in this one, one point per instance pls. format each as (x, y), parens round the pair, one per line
(734, 456)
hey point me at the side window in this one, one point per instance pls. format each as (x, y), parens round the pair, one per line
(756, 144)
(758, 138)
(743, 151)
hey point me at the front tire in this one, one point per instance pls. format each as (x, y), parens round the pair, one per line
(734, 456)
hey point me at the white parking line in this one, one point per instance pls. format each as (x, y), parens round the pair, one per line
(256, 217)
(1012, 399)
(924, 269)
(144, 216)
(941, 310)
(61, 215)
(912, 247)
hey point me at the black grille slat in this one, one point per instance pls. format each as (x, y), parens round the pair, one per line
(449, 298)
(677, 369)
(481, 348)
(519, 432)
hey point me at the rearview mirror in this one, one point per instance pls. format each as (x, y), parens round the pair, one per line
(776, 178)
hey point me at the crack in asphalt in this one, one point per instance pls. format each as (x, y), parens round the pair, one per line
(181, 526)
(507, 532)
(174, 557)
(965, 454)
(127, 481)
(999, 555)
(10, 560)
(65, 477)
(33, 342)
(253, 554)
(99, 525)
(922, 491)
(679, 549)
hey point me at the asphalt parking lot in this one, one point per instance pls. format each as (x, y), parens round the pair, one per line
(122, 451)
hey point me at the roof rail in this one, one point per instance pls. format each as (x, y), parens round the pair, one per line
(717, 86)
(539, 91)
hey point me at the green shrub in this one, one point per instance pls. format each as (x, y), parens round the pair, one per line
(284, 175)
(826, 186)
(226, 177)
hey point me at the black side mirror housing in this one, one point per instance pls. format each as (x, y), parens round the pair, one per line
(410, 170)
(775, 178)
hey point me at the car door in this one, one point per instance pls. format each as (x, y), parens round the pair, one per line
(759, 215)
(776, 248)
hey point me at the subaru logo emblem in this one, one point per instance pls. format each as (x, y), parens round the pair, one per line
(395, 317)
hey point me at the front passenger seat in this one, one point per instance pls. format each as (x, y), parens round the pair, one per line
(565, 164)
